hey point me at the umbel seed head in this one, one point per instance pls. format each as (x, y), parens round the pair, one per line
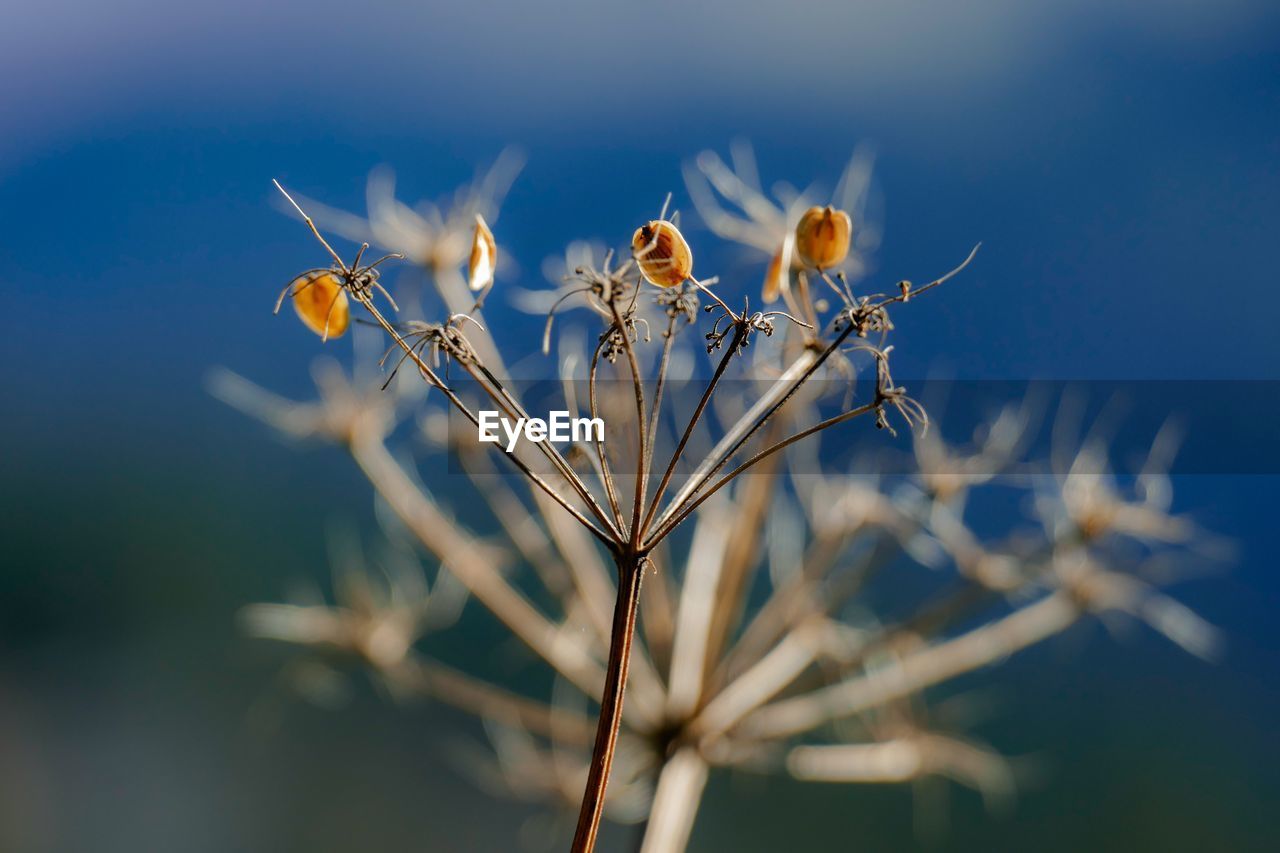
(321, 303)
(822, 236)
(662, 253)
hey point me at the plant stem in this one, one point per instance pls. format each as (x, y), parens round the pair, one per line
(630, 574)
(738, 335)
(675, 802)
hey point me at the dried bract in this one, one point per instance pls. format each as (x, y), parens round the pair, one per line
(822, 237)
(484, 253)
(321, 303)
(662, 254)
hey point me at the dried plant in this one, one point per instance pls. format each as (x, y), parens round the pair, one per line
(749, 643)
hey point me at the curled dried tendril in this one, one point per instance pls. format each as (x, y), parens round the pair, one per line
(602, 287)
(680, 301)
(613, 341)
(445, 341)
(727, 322)
(890, 395)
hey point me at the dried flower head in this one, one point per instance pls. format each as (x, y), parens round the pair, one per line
(484, 251)
(321, 303)
(822, 237)
(662, 254)
(773, 278)
(324, 308)
(745, 644)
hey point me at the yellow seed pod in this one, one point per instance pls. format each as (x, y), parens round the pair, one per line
(822, 237)
(773, 278)
(321, 303)
(484, 257)
(662, 253)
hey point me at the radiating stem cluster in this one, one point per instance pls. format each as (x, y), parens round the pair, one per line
(662, 621)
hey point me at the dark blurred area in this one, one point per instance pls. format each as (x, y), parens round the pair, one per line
(1119, 161)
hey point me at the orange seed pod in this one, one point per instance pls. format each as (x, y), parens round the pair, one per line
(662, 254)
(484, 254)
(773, 278)
(822, 236)
(321, 303)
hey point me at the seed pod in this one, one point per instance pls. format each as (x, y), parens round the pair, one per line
(321, 303)
(484, 253)
(773, 279)
(662, 254)
(822, 236)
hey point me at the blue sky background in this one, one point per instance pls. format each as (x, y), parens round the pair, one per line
(1119, 161)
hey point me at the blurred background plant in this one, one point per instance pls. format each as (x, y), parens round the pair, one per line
(775, 635)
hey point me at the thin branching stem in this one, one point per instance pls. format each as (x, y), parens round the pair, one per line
(655, 411)
(718, 461)
(998, 639)
(471, 565)
(434, 380)
(733, 346)
(535, 544)
(764, 454)
(606, 471)
(475, 696)
(790, 603)
(512, 407)
(642, 428)
(675, 802)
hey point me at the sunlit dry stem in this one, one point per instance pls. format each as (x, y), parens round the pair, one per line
(512, 407)
(471, 565)
(655, 411)
(675, 802)
(630, 575)
(765, 679)
(602, 454)
(642, 428)
(749, 424)
(310, 224)
(739, 333)
(694, 503)
(433, 379)
(741, 433)
(533, 543)
(754, 500)
(794, 601)
(733, 315)
(474, 696)
(693, 612)
(981, 646)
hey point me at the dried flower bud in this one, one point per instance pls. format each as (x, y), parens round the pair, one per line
(780, 267)
(484, 253)
(662, 254)
(822, 236)
(321, 303)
